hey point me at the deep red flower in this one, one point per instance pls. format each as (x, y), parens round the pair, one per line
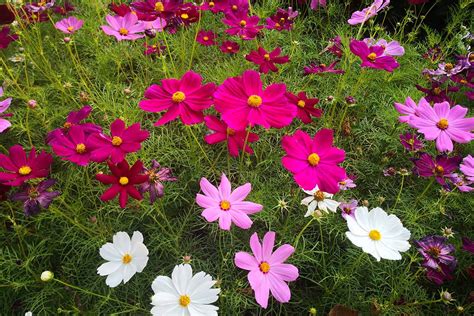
(322, 68)
(373, 57)
(156, 8)
(229, 47)
(123, 181)
(206, 38)
(6, 38)
(305, 106)
(281, 20)
(246, 27)
(188, 13)
(18, 167)
(7, 16)
(73, 146)
(267, 60)
(64, 9)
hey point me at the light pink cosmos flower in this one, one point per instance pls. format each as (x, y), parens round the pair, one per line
(69, 25)
(268, 272)
(362, 16)
(392, 48)
(409, 108)
(124, 28)
(226, 205)
(467, 167)
(443, 124)
(4, 105)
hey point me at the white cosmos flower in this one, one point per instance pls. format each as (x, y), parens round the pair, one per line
(319, 200)
(184, 294)
(377, 233)
(126, 257)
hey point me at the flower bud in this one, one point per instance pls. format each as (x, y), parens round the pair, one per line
(47, 276)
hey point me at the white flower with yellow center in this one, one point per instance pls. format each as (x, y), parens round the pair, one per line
(377, 233)
(125, 257)
(184, 293)
(318, 199)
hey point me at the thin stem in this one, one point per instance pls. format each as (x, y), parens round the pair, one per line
(426, 190)
(245, 145)
(302, 231)
(194, 42)
(399, 191)
(200, 146)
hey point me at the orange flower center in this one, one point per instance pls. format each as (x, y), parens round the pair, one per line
(448, 67)
(442, 124)
(70, 28)
(116, 141)
(434, 251)
(206, 38)
(229, 48)
(277, 24)
(80, 148)
(234, 7)
(438, 170)
(24, 171)
(437, 90)
(264, 267)
(178, 96)
(211, 4)
(372, 56)
(184, 16)
(322, 65)
(126, 259)
(230, 131)
(375, 235)
(313, 159)
(159, 6)
(266, 57)
(67, 125)
(319, 195)
(254, 101)
(184, 300)
(301, 103)
(123, 31)
(123, 180)
(225, 205)
(243, 23)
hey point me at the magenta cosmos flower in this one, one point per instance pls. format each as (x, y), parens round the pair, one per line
(443, 124)
(408, 108)
(124, 28)
(229, 47)
(18, 167)
(315, 4)
(69, 25)
(4, 105)
(206, 38)
(268, 271)
(392, 48)
(267, 60)
(281, 20)
(185, 97)
(322, 68)
(314, 161)
(123, 140)
(246, 27)
(226, 205)
(243, 101)
(123, 181)
(6, 38)
(157, 175)
(73, 146)
(362, 16)
(441, 168)
(411, 142)
(373, 56)
(223, 133)
(305, 106)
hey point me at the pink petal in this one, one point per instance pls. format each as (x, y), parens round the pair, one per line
(281, 254)
(206, 201)
(211, 214)
(245, 261)
(225, 220)
(209, 189)
(240, 193)
(267, 245)
(247, 207)
(240, 219)
(286, 272)
(256, 247)
(224, 188)
(279, 289)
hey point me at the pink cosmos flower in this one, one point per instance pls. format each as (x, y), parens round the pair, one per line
(364, 15)
(73, 146)
(322, 68)
(314, 161)
(69, 25)
(441, 167)
(372, 57)
(443, 124)
(436, 93)
(4, 105)
(124, 28)
(267, 60)
(155, 8)
(392, 48)
(282, 20)
(243, 101)
(185, 97)
(222, 133)
(304, 106)
(246, 27)
(408, 108)
(315, 4)
(467, 167)
(123, 140)
(18, 167)
(226, 205)
(206, 38)
(267, 270)
(229, 47)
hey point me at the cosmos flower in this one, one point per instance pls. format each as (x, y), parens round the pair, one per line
(267, 60)
(223, 133)
(411, 142)
(123, 181)
(6, 38)
(408, 108)
(304, 106)
(371, 11)
(373, 56)
(206, 38)
(18, 167)
(468, 244)
(73, 146)
(4, 105)
(229, 47)
(186, 97)
(282, 20)
(461, 182)
(69, 25)
(156, 8)
(315, 4)
(443, 124)
(124, 256)
(63, 9)
(348, 208)
(320, 200)
(334, 47)
(153, 27)
(377, 233)
(153, 49)
(122, 141)
(347, 184)
(437, 94)
(40, 6)
(322, 68)
(35, 197)
(392, 48)
(268, 271)
(184, 293)
(156, 176)
(214, 6)
(467, 167)
(246, 27)
(314, 161)
(124, 28)
(441, 167)
(445, 70)
(187, 13)
(242, 101)
(226, 205)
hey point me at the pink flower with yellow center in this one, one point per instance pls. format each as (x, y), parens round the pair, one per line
(124, 28)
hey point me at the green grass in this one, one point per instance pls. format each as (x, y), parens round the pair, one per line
(65, 240)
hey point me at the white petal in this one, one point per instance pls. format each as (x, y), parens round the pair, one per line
(108, 268)
(140, 263)
(322, 206)
(311, 192)
(110, 253)
(361, 214)
(386, 252)
(332, 205)
(129, 270)
(164, 284)
(181, 276)
(137, 238)
(122, 242)
(115, 278)
(355, 228)
(202, 310)
(307, 200)
(164, 298)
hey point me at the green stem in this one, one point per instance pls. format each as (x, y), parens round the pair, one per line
(399, 191)
(426, 190)
(200, 146)
(302, 231)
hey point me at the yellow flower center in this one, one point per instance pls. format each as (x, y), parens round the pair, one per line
(322, 65)
(123, 180)
(229, 47)
(264, 267)
(126, 259)
(437, 90)
(211, 4)
(178, 96)
(70, 28)
(25, 170)
(123, 31)
(266, 57)
(184, 300)
(448, 67)
(67, 125)
(442, 124)
(411, 141)
(184, 16)
(372, 56)
(313, 159)
(206, 38)
(80, 148)
(230, 131)
(277, 24)
(225, 205)
(301, 103)
(159, 6)
(375, 234)
(463, 81)
(438, 170)
(243, 23)
(319, 195)
(116, 141)
(434, 251)
(254, 101)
